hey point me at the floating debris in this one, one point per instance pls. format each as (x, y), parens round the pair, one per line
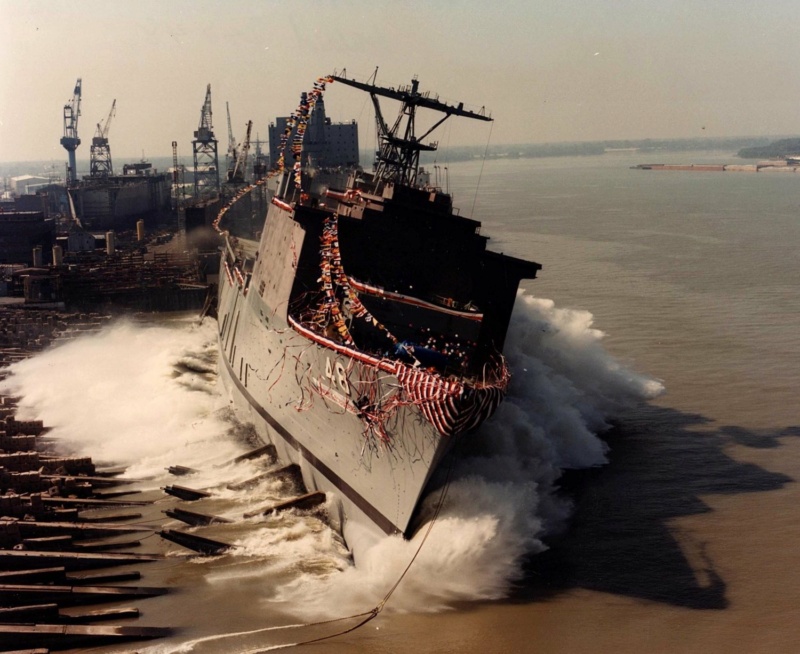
(184, 493)
(205, 546)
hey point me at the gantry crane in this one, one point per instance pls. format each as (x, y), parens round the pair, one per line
(100, 154)
(204, 148)
(70, 140)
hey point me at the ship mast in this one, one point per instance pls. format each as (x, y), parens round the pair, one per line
(398, 153)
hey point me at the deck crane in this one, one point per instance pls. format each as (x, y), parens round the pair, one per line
(204, 148)
(70, 140)
(236, 176)
(100, 154)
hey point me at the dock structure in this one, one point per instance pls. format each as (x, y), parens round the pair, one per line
(25, 331)
(162, 281)
(48, 542)
(64, 520)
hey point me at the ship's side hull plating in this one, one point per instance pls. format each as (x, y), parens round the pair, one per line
(304, 397)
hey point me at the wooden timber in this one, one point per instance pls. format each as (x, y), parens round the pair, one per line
(205, 546)
(180, 471)
(63, 636)
(265, 450)
(307, 501)
(25, 594)
(22, 560)
(29, 613)
(184, 493)
(32, 528)
(193, 518)
(88, 501)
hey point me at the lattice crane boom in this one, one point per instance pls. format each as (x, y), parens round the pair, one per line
(239, 168)
(100, 155)
(70, 140)
(102, 128)
(204, 148)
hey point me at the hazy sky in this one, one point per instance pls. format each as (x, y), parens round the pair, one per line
(548, 70)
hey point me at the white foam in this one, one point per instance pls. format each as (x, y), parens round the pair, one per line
(125, 396)
(502, 501)
(144, 396)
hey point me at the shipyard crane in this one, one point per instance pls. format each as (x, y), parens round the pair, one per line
(232, 154)
(398, 155)
(236, 176)
(204, 149)
(260, 160)
(70, 140)
(100, 153)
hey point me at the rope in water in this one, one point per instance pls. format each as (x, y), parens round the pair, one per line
(366, 615)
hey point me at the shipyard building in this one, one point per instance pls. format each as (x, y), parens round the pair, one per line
(327, 144)
(22, 232)
(118, 201)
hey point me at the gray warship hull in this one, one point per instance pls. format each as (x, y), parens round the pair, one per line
(302, 396)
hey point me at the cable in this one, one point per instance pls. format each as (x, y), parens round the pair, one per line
(375, 611)
(366, 615)
(480, 174)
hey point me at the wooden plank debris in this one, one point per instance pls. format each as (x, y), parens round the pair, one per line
(108, 517)
(32, 528)
(104, 545)
(94, 580)
(304, 502)
(29, 613)
(22, 560)
(100, 614)
(88, 501)
(184, 493)
(180, 471)
(25, 594)
(63, 636)
(193, 518)
(205, 546)
(267, 450)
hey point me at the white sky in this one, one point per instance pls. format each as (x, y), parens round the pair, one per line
(548, 70)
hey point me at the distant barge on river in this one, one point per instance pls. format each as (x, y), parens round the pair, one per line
(790, 165)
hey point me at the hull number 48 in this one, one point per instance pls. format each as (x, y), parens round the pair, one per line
(335, 372)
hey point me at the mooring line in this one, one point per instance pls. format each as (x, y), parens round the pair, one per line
(367, 615)
(374, 612)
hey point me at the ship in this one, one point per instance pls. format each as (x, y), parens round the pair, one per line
(362, 334)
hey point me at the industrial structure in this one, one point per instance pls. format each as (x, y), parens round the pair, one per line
(325, 144)
(100, 155)
(232, 152)
(204, 148)
(118, 201)
(237, 153)
(70, 140)
(238, 167)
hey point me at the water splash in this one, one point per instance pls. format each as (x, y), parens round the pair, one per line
(135, 395)
(502, 501)
(145, 396)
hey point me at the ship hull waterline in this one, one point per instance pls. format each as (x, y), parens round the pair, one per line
(373, 486)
